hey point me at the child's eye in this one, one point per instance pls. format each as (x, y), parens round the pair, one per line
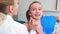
(39, 9)
(33, 9)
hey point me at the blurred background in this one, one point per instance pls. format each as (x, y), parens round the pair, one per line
(50, 7)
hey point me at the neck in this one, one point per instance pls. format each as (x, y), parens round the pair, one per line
(38, 21)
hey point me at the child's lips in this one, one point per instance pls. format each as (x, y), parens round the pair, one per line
(37, 15)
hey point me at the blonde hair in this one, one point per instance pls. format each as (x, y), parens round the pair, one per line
(7, 2)
(4, 4)
(2, 17)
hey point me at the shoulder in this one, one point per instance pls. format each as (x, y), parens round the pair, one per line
(19, 25)
(19, 28)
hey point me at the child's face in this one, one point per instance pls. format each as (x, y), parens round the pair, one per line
(36, 11)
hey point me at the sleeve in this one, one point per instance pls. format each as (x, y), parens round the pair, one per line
(21, 29)
(33, 32)
(25, 31)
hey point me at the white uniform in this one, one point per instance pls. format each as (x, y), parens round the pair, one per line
(11, 27)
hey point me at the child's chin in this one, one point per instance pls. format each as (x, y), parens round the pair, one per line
(37, 18)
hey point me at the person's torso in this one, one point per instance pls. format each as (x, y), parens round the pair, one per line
(11, 27)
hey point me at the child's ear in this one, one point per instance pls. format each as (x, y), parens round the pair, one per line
(29, 13)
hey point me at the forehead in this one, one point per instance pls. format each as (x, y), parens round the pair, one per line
(36, 5)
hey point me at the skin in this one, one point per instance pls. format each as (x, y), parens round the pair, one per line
(16, 5)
